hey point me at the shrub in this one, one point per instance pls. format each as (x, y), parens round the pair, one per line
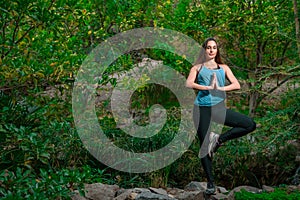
(278, 194)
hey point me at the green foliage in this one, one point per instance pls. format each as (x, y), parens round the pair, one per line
(279, 194)
(43, 44)
(34, 135)
(46, 184)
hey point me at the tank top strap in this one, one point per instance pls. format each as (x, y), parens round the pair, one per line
(199, 68)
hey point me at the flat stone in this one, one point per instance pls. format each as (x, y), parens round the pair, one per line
(187, 195)
(267, 188)
(132, 196)
(195, 186)
(158, 191)
(99, 191)
(199, 196)
(222, 189)
(140, 190)
(126, 194)
(219, 196)
(174, 191)
(152, 196)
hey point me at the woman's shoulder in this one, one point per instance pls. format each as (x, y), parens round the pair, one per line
(197, 67)
(224, 66)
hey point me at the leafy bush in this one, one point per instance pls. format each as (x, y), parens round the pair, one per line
(36, 134)
(46, 183)
(43, 44)
(278, 194)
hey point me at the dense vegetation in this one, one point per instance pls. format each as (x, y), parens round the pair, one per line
(43, 44)
(279, 194)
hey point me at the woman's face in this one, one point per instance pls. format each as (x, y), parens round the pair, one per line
(211, 50)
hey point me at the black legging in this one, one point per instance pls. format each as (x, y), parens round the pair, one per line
(204, 115)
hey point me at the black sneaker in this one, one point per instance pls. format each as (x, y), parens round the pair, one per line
(213, 143)
(211, 189)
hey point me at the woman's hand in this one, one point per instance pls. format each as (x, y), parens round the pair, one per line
(191, 80)
(216, 84)
(213, 83)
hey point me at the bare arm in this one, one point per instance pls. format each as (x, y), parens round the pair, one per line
(234, 83)
(190, 82)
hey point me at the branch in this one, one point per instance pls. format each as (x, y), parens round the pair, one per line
(275, 62)
(15, 30)
(24, 35)
(11, 88)
(21, 38)
(13, 37)
(3, 36)
(236, 67)
(52, 2)
(279, 84)
(42, 84)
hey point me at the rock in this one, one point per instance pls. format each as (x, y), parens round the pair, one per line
(188, 195)
(291, 188)
(195, 186)
(267, 188)
(120, 191)
(221, 189)
(152, 196)
(174, 191)
(99, 191)
(199, 196)
(77, 196)
(158, 191)
(219, 196)
(140, 190)
(193, 191)
(125, 194)
(132, 196)
(247, 188)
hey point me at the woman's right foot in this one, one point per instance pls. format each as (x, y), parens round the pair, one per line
(211, 189)
(214, 143)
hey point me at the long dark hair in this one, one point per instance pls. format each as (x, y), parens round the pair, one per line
(202, 59)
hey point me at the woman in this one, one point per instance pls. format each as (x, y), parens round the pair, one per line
(208, 78)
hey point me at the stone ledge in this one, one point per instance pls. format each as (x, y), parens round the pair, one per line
(193, 191)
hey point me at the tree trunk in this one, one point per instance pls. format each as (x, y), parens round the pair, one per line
(253, 102)
(297, 26)
(254, 94)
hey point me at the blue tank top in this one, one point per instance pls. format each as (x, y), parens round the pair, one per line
(210, 97)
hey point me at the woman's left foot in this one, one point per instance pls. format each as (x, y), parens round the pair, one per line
(211, 189)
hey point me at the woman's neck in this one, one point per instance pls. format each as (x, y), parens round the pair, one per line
(211, 64)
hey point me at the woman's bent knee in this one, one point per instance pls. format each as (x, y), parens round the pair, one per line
(252, 126)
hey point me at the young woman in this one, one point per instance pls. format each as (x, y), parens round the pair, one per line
(208, 78)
